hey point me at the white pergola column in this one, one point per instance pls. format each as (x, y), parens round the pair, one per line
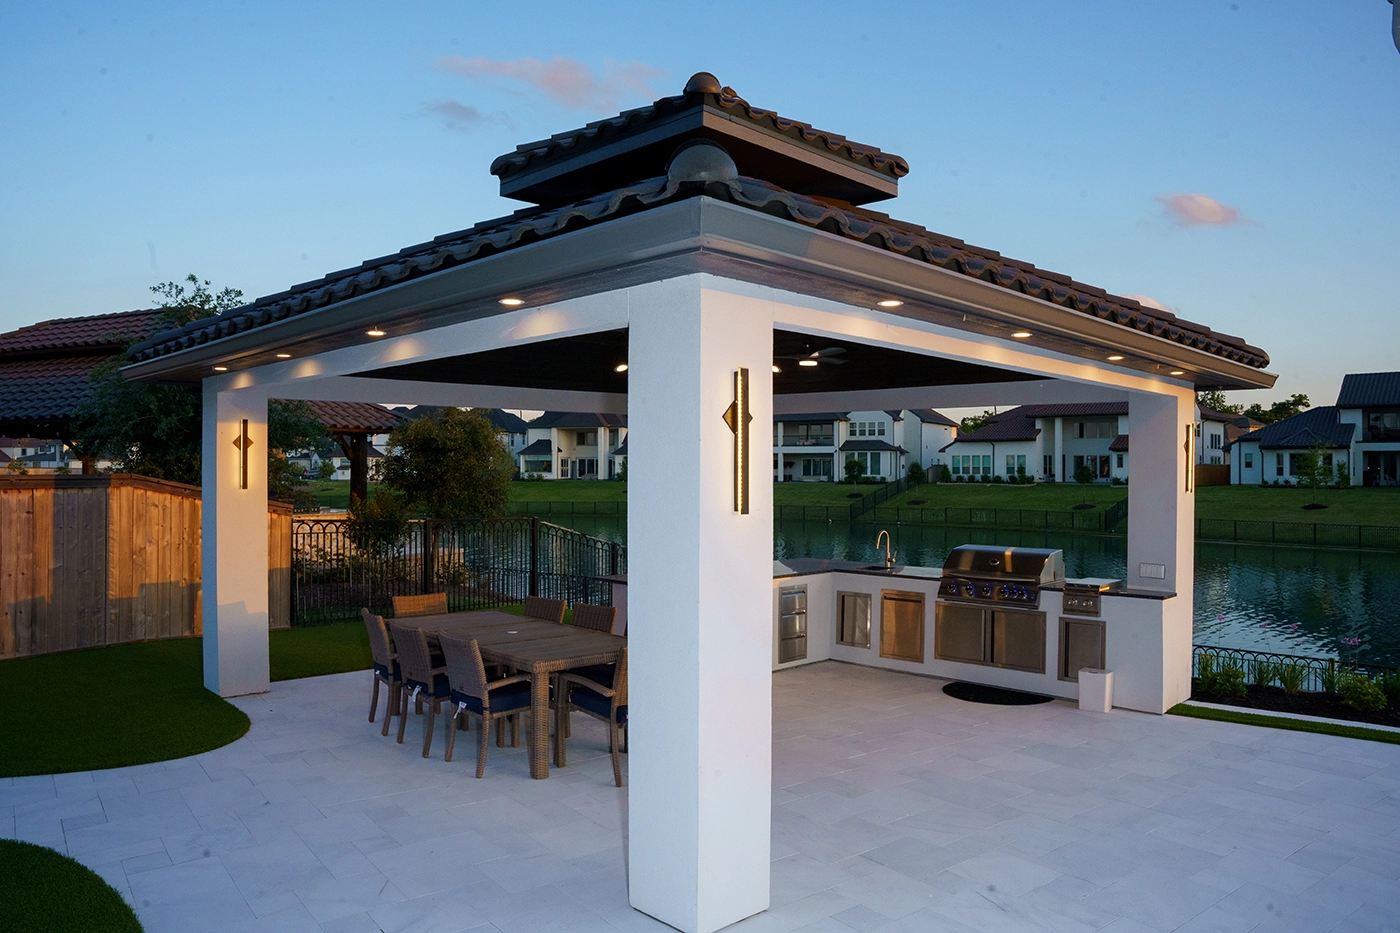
(1161, 531)
(234, 545)
(699, 608)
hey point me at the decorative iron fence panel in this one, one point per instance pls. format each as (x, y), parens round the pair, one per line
(547, 507)
(1310, 534)
(339, 566)
(1317, 673)
(886, 492)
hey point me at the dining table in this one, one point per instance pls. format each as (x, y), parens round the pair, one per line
(538, 647)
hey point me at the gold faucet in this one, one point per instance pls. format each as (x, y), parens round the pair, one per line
(889, 556)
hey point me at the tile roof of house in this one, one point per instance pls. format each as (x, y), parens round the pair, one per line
(578, 419)
(355, 417)
(871, 445)
(539, 448)
(504, 420)
(1367, 390)
(105, 333)
(1120, 444)
(812, 416)
(1303, 430)
(1067, 410)
(868, 227)
(1006, 429)
(929, 416)
(621, 448)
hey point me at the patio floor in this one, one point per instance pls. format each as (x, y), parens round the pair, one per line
(902, 809)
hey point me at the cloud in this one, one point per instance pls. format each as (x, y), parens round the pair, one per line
(459, 116)
(1191, 210)
(1149, 302)
(566, 81)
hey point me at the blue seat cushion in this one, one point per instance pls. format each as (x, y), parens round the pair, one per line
(596, 703)
(438, 691)
(505, 699)
(598, 673)
(387, 674)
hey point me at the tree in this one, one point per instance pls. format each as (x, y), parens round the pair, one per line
(1084, 473)
(181, 306)
(326, 470)
(916, 473)
(1215, 401)
(854, 470)
(973, 422)
(1278, 410)
(290, 426)
(1317, 468)
(448, 465)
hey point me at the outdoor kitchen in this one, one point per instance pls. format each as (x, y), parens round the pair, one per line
(1001, 617)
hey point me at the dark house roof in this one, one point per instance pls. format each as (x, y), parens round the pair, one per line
(504, 420)
(1369, 390)
(691, 177)
(621, 448)
(540, 448)
(578, 419)
(355, 417)
(614, 152)
(872, 445)
(1303, 430)
(46, 368)
(1068, 410)
(812, 417)
(1006, 429)
(929, 416)
(1120, 444)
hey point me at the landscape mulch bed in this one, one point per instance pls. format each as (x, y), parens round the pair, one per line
(1273, 699)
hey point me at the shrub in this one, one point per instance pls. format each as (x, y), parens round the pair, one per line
(916, 473)
(1291, 676)
(996, 478)
(1226, 680)
(945, 475)
(1262, 673)
(1117, 481)
(1390, 686)
(1084, 474)
(1361, 693)
(1330, 677)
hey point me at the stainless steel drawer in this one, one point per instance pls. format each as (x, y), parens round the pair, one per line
(792, 625)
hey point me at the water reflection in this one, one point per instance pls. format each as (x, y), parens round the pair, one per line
(1292, 600)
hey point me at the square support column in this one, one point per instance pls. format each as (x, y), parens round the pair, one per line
(700, 608)
(234, 545)
(1162, 534)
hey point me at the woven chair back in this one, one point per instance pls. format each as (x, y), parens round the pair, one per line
(380, 648)
(620, 678)
(415, 660)
(466, 673)
(597, 618)
(551, 610)
(429, 604)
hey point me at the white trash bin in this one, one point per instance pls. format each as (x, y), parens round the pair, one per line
(1095, 689)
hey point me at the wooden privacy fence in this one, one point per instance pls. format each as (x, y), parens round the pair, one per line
(101, 560)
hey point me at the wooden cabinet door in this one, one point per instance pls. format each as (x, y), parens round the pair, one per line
(902, 626)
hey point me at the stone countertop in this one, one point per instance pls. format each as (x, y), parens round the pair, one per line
(806, 566)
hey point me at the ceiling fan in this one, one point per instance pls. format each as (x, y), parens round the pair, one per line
(813, 357)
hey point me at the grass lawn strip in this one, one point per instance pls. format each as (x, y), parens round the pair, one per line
(110, 708)
(42, 891)
(1299, 724)
(318, 650)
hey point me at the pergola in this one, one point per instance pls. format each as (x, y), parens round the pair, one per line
(707, 244)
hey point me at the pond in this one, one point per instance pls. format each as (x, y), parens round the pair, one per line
(1319, 603)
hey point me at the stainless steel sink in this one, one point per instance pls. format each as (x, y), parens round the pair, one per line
(881, 568)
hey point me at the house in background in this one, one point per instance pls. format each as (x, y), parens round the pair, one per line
(1046, 443)
(814, 447)
(1371, 401)
(512, 430)
(1216, 433)
(574, 445)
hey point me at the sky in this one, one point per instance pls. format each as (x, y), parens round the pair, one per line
(1236, 162)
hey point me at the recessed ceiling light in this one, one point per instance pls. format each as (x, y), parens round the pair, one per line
(374, 332)
(806, 362)
(620, 368)
(889, 303)
(1021, 334)
(1178, 372)
(1115, 358)
(220, 369)
(284, 356)
(777, 368)
(512, 302)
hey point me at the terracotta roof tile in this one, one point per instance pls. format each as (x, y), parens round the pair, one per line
(355, 417)
(105, 332)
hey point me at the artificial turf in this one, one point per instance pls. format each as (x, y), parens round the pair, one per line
(42, 891)
(1281, 722)
(109, 708)
(320, 649)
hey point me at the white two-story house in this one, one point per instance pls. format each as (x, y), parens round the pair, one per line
(1046, 443)
(814, 447)
(574, 445)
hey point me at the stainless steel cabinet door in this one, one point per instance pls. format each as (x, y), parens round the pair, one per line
(902, 626)
(1018, 640)
(853, 619)
(960, 633)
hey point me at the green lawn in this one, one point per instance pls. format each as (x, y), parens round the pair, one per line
(321, 649)
(1354, 506)
(568, 490)
(42, 891)
(110, 708)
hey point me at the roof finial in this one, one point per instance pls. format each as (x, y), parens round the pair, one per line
(702, 82)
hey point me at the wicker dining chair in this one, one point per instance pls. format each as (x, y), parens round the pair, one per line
(429, 604)
(386, 668)
(421, 680)
(608, 704)
(597, 618)
(550, 610)
(474, 695)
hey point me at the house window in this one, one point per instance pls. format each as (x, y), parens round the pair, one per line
(563, 468)
(817, 467)
(1215, 442)
(587, 468)
(1120, 461)
(1249, 461)
(1047, 465)
(808, 435)
(536, 465)
(955, 464)
(1278, 464)
(587, 439)
(1198, 429)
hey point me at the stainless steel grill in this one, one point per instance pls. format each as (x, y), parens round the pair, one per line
(981, 573)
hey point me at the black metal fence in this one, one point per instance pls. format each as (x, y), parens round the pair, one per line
(1310, 534)
(1017, 519)
(1267, 667)
(567, 508)
(885, 493)
(339, 566)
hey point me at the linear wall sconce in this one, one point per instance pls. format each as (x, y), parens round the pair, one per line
(243, 442)
(737, 416)
(1190, 448)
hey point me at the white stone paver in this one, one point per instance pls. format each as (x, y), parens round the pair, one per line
(895, 808)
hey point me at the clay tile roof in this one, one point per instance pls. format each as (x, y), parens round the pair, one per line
(1066, 410)
(1364, 390)
(1007, 429)
(1120, 444)
(100, 332)
(355, 417)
